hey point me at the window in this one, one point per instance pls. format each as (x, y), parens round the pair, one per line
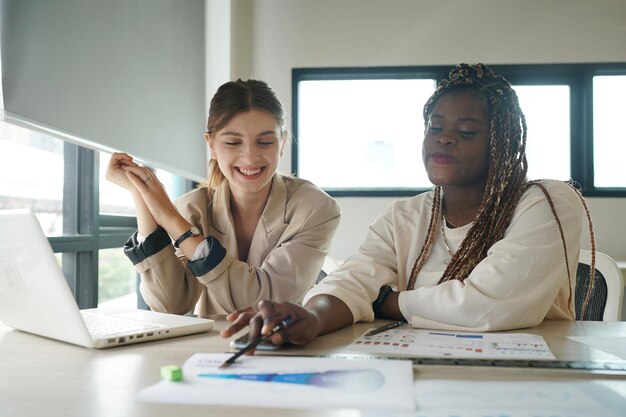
(114, 200)
(116, 278)
(372, 121)
(609, 137)
(358, 131)
(31, 174)
(60, 183)
(546, 108)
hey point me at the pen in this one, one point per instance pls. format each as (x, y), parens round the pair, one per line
(283, 324)
(385, 327)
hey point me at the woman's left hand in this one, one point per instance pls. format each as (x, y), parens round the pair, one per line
(240, 319)
(153, 193)
(116, 170)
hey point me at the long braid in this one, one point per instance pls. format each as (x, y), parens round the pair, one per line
(506, 177)
(592, 268)
(558, 222)
(430, 238)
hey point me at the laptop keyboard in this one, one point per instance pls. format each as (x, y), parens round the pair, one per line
(101, 325)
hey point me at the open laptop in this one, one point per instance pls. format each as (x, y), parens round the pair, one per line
(36, 298)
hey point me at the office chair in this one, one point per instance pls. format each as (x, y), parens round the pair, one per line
(329, 266)
(608, 292)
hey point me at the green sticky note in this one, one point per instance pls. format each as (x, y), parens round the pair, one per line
(172, 373)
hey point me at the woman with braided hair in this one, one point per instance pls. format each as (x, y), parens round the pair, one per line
(485, 250)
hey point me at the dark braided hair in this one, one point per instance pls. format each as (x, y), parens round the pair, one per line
(506, 177)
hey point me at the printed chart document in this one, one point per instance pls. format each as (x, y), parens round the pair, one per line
(431, 343)
(290, 382)
(453, 398)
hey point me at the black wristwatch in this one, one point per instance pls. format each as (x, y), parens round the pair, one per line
(194, 231)
(378, 303)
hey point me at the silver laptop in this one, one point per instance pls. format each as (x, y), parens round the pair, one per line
(36, 298)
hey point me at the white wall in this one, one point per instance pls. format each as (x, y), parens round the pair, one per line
(270, 37)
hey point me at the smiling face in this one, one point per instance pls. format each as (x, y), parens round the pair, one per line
(247, 150)
(456, 144)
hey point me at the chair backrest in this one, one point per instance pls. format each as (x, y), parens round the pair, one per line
(608, 292)
(329, 266)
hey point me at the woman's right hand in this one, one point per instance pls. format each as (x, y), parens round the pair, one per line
(116, 173)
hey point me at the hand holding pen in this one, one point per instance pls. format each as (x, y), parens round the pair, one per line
(303, 326)
(254, 343)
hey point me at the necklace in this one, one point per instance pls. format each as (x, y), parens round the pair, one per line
(445, 240)
(448, 220)
(443, 212)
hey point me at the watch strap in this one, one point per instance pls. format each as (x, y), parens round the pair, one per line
(190, 232)
(377, 305)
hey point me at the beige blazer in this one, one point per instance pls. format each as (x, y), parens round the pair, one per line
(288, 249)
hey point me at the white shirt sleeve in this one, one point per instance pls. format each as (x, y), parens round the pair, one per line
(358, 280)
(202, 251)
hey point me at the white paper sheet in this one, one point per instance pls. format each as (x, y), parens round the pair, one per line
(447, 398)
(290, 382)
(429, 343)
(613, 345)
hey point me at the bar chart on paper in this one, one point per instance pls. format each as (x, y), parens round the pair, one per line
(427, 343)
(289, 382)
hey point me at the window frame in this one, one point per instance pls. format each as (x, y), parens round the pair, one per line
(579, 78)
